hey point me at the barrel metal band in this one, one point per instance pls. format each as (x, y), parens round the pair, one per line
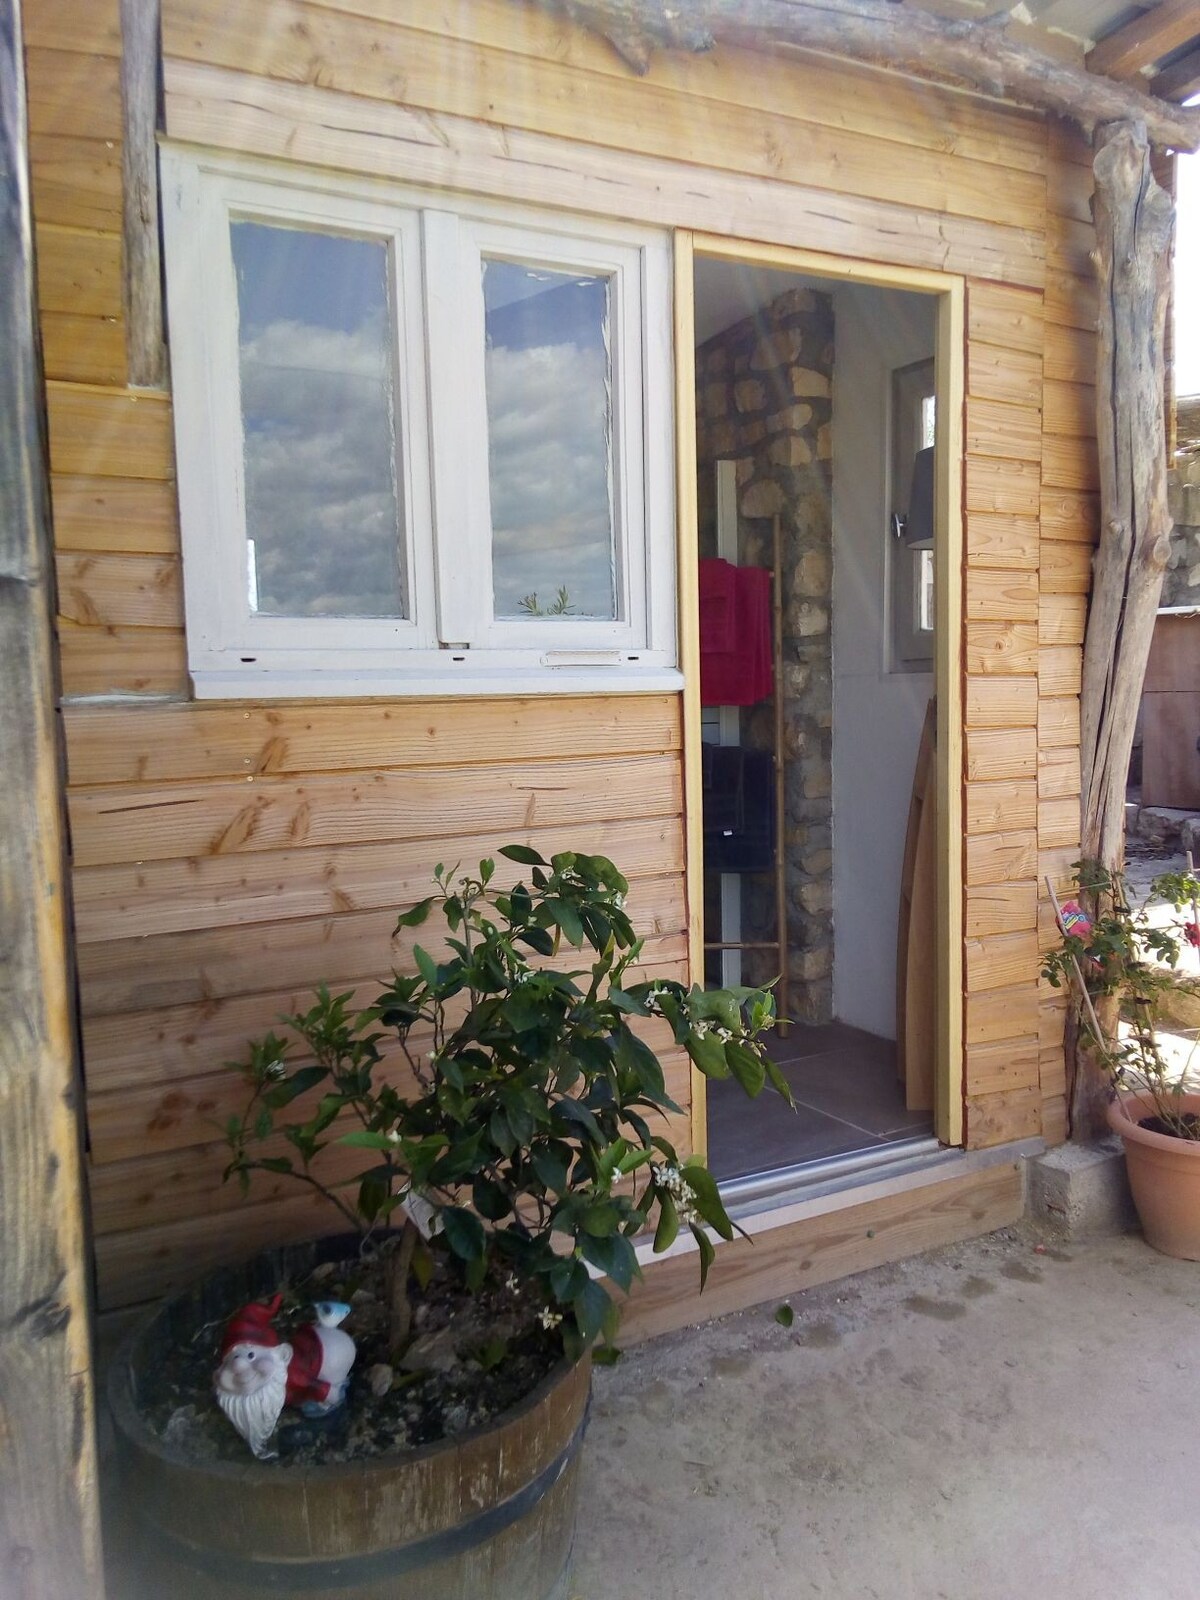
(294, 1576)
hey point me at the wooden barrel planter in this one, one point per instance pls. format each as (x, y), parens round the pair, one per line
(485, 1515)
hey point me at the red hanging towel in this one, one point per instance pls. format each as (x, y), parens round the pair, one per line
(718, 596)
(741, 674)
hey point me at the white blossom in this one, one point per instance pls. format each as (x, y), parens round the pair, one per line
(549, 1319)
(671, 1181)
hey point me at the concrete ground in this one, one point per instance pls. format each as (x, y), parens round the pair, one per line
(992, 1421)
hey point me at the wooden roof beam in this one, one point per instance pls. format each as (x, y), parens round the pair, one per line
(979, 55)
(1146, 40)
(1180, 80)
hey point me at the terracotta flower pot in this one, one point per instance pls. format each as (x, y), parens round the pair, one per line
(1164, 1175)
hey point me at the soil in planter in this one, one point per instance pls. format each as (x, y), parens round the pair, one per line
(1190, 1120)
(471, 1357)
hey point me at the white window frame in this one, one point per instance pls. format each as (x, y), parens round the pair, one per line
(451, 643)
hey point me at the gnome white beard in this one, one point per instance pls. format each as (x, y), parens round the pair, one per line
(255, 1412)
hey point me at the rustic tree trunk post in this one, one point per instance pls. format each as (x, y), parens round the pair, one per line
(146, 350)
(1135, 222)
(978, 53)
(49, 1532)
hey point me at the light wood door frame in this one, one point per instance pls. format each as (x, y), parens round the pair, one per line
(950, 358)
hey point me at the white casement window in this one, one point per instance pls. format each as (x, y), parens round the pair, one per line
(424, 445)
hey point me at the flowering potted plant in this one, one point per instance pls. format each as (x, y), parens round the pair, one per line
(1123, 961)
(505, 1105)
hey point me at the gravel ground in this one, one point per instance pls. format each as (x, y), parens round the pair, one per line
(1010, 1417)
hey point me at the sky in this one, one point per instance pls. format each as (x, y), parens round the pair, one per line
(549, 438)
(316, 384)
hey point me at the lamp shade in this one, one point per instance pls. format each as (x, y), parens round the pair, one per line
(918, 525)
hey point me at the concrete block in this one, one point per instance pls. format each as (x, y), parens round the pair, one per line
(1082, 1189)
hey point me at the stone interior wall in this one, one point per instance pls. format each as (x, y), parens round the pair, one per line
(763, 392)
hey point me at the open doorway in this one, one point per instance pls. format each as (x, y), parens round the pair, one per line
(816, 407)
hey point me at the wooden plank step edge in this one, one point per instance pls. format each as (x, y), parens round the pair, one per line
(958, 1195)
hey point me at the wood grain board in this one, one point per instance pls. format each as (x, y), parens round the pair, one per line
(789, 1259)
(302, 824)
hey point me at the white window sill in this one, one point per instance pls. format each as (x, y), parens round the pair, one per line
(479, 681)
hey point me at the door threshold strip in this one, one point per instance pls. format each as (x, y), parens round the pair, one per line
(760, 1191)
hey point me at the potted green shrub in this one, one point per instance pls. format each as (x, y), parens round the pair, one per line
(507, 1109)
(1124, 965)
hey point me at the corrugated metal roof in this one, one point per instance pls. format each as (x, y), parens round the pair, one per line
(1084, 21)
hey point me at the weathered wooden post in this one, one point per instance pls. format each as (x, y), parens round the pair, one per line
(49, 1530)
(1135, 222)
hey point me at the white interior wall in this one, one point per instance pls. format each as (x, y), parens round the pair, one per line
(877, 714)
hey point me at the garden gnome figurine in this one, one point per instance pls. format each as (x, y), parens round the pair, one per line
(260, 1374)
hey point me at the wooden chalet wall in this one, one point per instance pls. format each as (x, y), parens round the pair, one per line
(228, 855)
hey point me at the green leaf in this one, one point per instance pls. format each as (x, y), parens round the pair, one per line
(489, 1199)
(551, 1163)
(567, 1278)
(426, 965)
(275, 1164)
(523, 854)
(635, 1055)
(667, 1231)
(373, 1193)
(624, 1001)
(422, 1265)
(778, 1082)
(364, 1139)
(606, 1355)
(574, 1112)
(708, 1253)
(501, 1132)
(564, 915)
(784, 1316)
(708, 1053)
(305, 1078)
(414, 917)
(600, 1220)
(593, 1308)
(614, 1256)
(708, 1200)
(464, 1233)
(633, 1160)
(538, 939)
(747, 1066)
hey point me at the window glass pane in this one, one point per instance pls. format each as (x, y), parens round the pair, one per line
(549, 404)
(314, 349)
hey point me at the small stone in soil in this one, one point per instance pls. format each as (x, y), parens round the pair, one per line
(332, 1429)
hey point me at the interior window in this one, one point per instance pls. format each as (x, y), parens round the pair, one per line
(911, 525)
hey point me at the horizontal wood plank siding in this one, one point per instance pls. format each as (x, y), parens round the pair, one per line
(1070, 528)
(228, 854)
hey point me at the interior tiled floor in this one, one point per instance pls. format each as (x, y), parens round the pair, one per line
(847, 1098)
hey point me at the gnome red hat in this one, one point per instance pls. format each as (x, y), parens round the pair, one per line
(252, 1325)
